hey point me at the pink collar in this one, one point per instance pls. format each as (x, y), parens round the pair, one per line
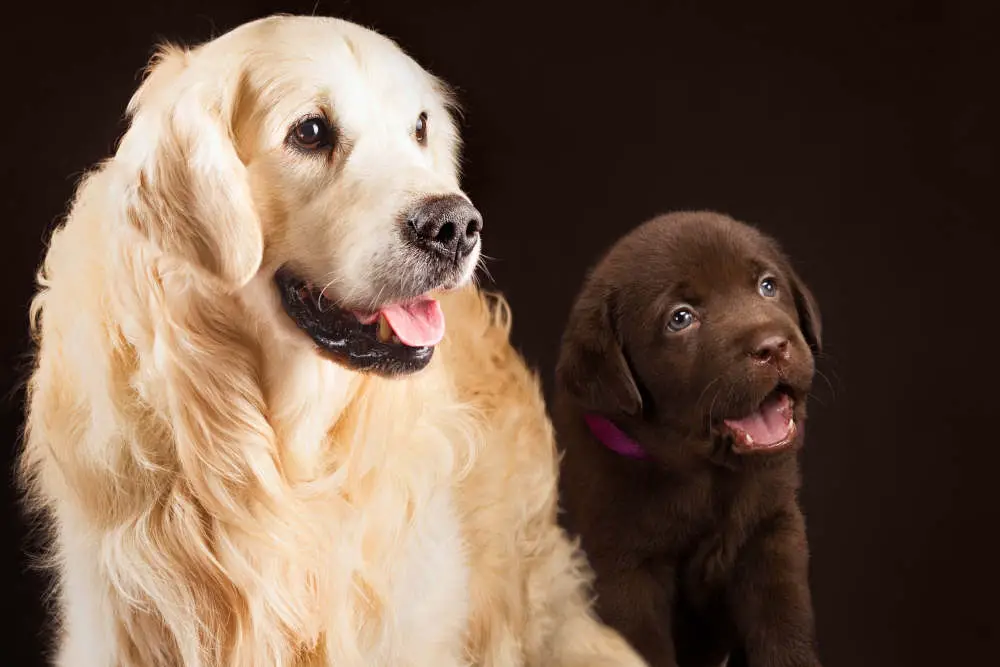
(614, 438)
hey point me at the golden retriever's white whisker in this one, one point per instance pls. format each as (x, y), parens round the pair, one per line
(485, 269)
(376, 299)
(322, 293)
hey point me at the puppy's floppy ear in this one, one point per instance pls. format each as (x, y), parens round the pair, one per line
(186, 188)
(810, 322)
(592, 365)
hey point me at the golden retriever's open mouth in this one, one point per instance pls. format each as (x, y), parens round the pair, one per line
(771, 427)
(395, 340)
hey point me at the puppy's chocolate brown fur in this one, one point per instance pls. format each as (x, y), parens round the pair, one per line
(699, 549)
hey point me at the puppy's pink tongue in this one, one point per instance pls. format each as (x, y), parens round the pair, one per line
(417, 324)
(769, 425)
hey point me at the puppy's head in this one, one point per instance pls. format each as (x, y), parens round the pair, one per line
(311, 166)
(698, 324)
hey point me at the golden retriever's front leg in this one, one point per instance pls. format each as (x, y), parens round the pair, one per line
(87, 637)
(563, 630)
(92, 627)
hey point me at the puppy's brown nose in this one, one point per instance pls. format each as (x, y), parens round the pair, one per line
(771, 349)
(448, 226)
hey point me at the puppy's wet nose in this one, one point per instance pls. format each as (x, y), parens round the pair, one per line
(771, 349)
(448, 226)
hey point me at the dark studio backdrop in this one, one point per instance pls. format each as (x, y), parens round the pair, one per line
(862, 136)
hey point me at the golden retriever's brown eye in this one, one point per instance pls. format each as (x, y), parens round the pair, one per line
(680, 319)
(312, 134)
(421, 130)
(768, 288)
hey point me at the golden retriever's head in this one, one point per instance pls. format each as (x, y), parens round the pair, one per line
(311, 166)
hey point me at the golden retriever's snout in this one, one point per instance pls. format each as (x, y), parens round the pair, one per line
(446, 227)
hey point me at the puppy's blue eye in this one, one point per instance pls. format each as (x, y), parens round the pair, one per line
(768, 287)
(680, 319)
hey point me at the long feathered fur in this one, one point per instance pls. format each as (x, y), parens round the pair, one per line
(215, 498)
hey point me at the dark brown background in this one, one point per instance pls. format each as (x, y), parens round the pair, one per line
(863, 137)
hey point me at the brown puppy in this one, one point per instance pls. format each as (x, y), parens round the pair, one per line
(680, 404)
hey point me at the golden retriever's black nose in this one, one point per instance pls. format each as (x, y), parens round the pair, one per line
(448, 226)
(771, 349)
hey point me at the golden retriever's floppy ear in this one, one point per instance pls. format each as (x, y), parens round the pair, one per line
(592, 365)
(186, 188)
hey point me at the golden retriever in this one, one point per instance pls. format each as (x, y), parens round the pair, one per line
(247, 429)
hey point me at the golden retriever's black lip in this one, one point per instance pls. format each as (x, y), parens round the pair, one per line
(341, 336)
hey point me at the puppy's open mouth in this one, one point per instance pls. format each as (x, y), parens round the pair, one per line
(394, 340)
(771, 427)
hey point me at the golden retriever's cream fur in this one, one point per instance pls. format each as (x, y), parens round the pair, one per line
(219, 493)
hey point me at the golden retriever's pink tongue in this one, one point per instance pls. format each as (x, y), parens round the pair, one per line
(416, 324)
(771, 424)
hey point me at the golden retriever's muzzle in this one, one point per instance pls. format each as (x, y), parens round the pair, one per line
(345, 336)
(397, 336)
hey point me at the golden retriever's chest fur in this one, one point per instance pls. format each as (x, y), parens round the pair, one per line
(429, 595)
(396, 576)
(409, 606)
